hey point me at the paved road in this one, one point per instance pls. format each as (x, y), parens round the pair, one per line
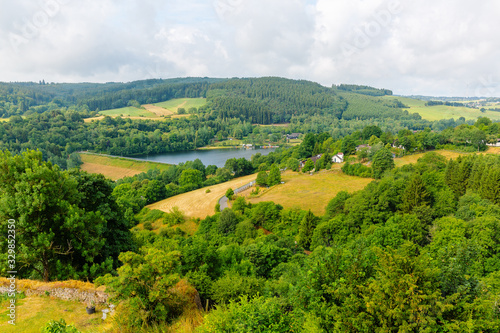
(223, 201)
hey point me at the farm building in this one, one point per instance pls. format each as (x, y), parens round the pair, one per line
(339, 158)
(495, 144)
(358, 148)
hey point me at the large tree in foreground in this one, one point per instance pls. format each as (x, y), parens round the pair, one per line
(57, 232)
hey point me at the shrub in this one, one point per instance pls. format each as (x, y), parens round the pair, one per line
(60, 326)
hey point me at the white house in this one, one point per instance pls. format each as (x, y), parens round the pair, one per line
(339, 158)
(496, 144)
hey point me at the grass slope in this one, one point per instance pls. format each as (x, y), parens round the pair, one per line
(198, 203)
(128, 111)
(309, 191)
(438, 112)
(116, 167)
(174, 104)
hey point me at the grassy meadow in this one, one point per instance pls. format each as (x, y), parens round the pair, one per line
(128, 111)
(438, 112)
(33, 312)
(115, 167)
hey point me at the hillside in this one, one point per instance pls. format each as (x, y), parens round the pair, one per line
(115, 168)
(439, 112)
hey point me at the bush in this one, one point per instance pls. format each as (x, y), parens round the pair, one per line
(229, 193)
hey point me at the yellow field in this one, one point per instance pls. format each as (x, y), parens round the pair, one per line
(198, 203)
(309, 192)
(115, 167)
(438, 112)
(89, 120)
(174, 104)
(446, 153)
(32, 313)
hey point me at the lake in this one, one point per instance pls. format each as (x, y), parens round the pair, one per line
(216, 157)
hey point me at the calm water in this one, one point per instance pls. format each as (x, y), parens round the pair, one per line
(216, 157)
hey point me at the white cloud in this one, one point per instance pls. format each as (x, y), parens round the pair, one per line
(426, 47)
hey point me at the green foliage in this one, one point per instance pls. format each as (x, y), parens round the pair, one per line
(262, 178)
(257, 314)
(145, 285)
(227, 221)
(292, 164)
(191, 178)
(336, 205)
(415, 194)
(59, 326)
(232, 286)
(307, 226)
(382, 161)
(62, 219)
(357, 169)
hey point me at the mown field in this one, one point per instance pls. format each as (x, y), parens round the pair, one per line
(128, 111)
(32, 313)
(300, 190)
(157, 111)
(438, 112)
(115, 167)
(174, 104)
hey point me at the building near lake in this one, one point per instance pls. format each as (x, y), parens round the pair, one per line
(339, 158)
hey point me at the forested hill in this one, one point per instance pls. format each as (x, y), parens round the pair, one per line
(258, 100)
(274, 100)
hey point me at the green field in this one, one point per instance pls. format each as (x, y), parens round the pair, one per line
(186, 103)
(128, 111)
(439, 112)
(307, 191)
(115, 167)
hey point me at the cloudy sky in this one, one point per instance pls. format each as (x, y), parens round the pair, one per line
(428, 47)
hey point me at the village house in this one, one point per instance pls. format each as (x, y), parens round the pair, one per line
(293, 136)
(339, 158)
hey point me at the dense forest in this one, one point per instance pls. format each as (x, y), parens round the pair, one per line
(417, 250)
(53, 121)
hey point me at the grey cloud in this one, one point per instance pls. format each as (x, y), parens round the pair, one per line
(426, 47)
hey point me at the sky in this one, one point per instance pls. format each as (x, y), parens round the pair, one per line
(425, 47)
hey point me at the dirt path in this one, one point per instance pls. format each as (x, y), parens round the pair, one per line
(159, 111)
(111, 172)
